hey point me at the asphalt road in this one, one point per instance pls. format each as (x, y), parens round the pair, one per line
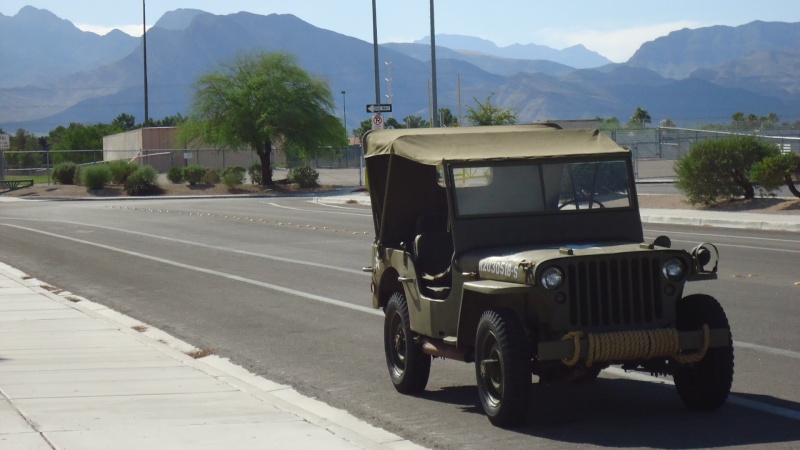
(276, 285)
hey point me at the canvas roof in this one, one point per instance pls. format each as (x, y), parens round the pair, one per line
(435, 145)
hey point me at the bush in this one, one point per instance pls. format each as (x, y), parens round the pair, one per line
(775, 171)
(144, 181)
(304, 176)
(233, 178)
(193, 174)
(76, 179)
(719, 169)
(174, 175)
(96, 176)
(212, 176)
(255, 174)
(64, 173)
(120, 170)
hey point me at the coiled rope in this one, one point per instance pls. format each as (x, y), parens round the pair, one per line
(638, 344)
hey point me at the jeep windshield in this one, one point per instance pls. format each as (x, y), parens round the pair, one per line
(538, 188)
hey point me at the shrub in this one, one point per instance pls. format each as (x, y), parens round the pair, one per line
(304, 176)
(144, 181)
(96, 176)
(174, 175)
(719, 169)
(775, 171)
(233, 169)
(76, 179)
(64, 173)
(193, 173)
(233, 178)
(120, 170)
(254, 172)
(212, 176)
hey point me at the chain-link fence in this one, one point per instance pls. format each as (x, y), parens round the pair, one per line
(654, 150)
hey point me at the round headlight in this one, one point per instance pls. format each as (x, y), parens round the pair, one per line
(673, 269)
(552, 277)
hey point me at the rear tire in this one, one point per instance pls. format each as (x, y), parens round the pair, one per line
(502, 367)
(409, 368)
(704, 385)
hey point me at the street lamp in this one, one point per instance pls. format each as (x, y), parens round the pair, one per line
(144, 43)
(344, 115)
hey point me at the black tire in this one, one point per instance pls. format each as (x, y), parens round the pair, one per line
(704, 385)
(409, 368)
(502, 367)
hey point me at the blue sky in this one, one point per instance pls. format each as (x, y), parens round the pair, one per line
(612, 28)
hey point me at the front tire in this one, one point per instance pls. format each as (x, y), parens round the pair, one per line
(502, 367)
(704, 385)
(409, 368)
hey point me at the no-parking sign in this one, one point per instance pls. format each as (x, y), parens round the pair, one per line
(377, 122)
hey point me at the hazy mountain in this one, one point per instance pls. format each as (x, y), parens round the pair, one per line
(187, 43)
(37, 48)
(490, 63)
(683, 52)
(577, 56)
(180, 19)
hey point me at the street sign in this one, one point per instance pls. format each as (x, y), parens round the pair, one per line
(379, 108)
(5, 141)
(377, 122)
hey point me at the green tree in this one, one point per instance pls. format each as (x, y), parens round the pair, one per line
(717, 169)
(488, 114)
(446, 118)
(392, 123)
(80, 137)
(365, 126)
(261, 100)
(415, 122)
(124, 122)
(639, 118)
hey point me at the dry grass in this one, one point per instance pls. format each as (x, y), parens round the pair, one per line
(140, 328)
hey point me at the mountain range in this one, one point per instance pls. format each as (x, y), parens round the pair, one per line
(55, 73)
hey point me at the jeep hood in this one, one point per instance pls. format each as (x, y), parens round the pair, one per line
(514, 264)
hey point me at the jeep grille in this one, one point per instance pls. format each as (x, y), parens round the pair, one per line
(614, 292)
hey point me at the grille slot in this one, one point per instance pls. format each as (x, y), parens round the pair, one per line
(614, 292)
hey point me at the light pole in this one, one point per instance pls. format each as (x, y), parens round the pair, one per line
(375, 52)
(433, 71)
(344, 115)
(144, 41)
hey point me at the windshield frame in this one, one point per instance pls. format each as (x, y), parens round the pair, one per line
(544, 184)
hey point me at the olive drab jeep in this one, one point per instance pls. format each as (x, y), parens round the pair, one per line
(520, 249)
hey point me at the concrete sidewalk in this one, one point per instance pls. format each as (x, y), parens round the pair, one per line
(74, 374)
(722, 219)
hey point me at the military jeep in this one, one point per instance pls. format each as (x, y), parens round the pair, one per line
(520, 248)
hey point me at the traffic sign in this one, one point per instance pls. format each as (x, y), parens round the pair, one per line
(377, 122)
(5, 141)
(379, 108)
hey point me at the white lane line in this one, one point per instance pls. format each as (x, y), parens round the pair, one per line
(318, 210)
(274, 287)
(784, 250)
(751, 238)
(765, 349)
(733, 399)
(330, 205)
(211, 247)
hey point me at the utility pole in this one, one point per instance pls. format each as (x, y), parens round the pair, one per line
(433, 71)
(375, 53)
(144, 40)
